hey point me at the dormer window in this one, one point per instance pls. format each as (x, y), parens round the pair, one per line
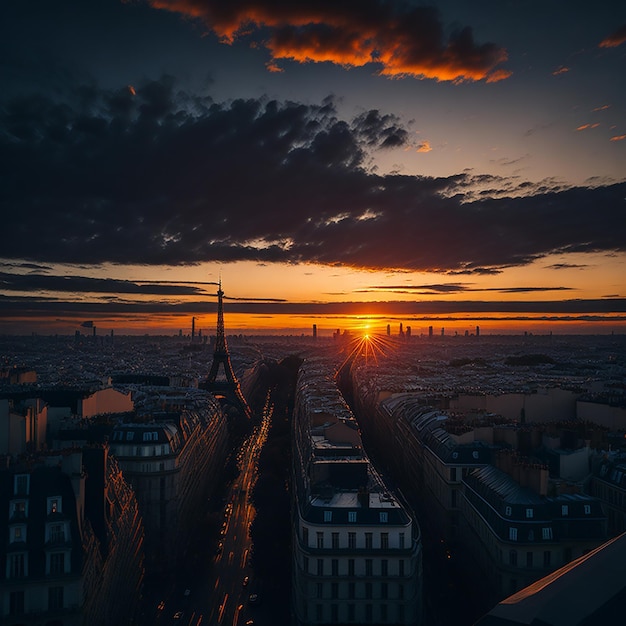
(328, 516)
(352, 516)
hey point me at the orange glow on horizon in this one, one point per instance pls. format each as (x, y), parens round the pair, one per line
(302, 325)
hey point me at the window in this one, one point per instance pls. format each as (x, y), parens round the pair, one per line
(57, 563)
(368, 540)
(320, 567)
(18, 533)
(368, 613)
(319, 612)
(546, 533)
(401, 567)
(401, 592)
(475, 454)
(328, 516)
(401, 613)
(305, 535)
(369, 571)
(529, 559)
(19, 508)
(130, 435)
(335, 540)
(335, 567)
(350, 590)
(508, 510)
(21, 484)
(350, 567)
(453, 498)
(513, 557)
(334, 613)
(384, 567)
(350, 612)
(383, 517)
(16, 603)
(453, 474)
(546, 558)
(54, 505)
(352, 516)
(352, 540)
(384, 591)
(529, 513)
(402, 540)
(368, 591)
(319, 593)
(17, 565)
(334, 590)
(564, 509)
(56, 533)
(320, 540)
(55, 598)
(587, 509)
(384, 541)
(305, 564)
(383, 612)
(512, 534)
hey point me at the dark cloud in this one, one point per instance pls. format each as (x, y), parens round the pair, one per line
(84, 284)
(36, 306)
(169, 178)
(459, 288)
(401, 39)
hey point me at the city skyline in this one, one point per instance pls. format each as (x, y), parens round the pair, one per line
(349, 165)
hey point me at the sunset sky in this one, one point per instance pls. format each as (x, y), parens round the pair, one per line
(339, 163)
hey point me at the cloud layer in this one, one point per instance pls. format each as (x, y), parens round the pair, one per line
(151, 175)
(401, 40)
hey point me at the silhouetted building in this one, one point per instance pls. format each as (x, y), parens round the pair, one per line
(71, 526)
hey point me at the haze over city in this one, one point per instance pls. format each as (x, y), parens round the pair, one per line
(344, 164)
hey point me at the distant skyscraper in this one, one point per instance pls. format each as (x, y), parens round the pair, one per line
(193, 328)
(443, 330)
(401, 331)
(314, 331)
(388, 330)
(430, 331)
(478, 331)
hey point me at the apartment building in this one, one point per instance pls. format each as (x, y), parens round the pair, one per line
(356, 548)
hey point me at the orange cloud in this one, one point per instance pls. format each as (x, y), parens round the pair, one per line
(587, 126)
(272, 67)
(411, 43)
(618, 138)
(604, 107)
(560, 70)
(424, 147)
(132, 91)
(614, 39)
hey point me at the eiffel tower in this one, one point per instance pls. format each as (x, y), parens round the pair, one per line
(226, 389)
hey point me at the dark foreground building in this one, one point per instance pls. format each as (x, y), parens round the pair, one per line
(70, 524)
(589, 591)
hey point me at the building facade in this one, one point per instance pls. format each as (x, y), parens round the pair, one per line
(357, 555)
